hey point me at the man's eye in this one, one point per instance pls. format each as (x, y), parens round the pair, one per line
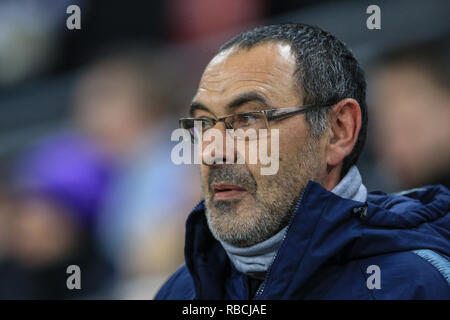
(246, 120)
(206, 122)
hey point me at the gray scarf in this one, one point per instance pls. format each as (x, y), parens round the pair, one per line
(255, 260)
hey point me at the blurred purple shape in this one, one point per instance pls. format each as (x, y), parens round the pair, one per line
(68, 169)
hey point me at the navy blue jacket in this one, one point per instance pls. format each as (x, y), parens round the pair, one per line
(329, 247)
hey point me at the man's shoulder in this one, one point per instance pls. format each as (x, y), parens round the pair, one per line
(412, 198)
(179, 286)
(416, 274)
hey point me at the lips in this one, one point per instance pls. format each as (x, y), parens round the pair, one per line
(224, 191)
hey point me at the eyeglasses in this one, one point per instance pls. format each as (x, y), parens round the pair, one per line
(254, 120)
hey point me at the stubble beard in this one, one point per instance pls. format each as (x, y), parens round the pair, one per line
(269, 204)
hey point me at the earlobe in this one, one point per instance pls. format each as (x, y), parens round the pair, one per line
(345, 124)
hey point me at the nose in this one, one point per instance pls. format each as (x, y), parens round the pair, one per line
(217, 146)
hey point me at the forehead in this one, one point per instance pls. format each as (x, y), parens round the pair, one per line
(267, 69)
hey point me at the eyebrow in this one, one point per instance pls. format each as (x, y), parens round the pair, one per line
(241, 99)
(197, 106)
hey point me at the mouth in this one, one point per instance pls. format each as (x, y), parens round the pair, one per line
(224, 191)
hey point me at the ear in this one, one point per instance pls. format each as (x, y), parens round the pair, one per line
(344, 129)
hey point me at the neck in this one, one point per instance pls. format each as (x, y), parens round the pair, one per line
(332, 178)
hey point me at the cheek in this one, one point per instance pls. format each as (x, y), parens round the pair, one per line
(290, 143)
(255, 171)
(204, 176)
(292, 138)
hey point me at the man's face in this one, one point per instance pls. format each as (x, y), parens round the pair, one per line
(243, 206)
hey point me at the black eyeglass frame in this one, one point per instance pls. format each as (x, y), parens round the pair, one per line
(269, 115)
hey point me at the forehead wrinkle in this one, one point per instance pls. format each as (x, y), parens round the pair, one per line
(215, 78)
(214, 81)
(269, 81)
(212, 86)
(266, 87)
(261, 87)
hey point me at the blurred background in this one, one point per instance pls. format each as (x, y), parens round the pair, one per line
(86, 117)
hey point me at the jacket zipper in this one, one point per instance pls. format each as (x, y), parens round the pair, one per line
(260, 290)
